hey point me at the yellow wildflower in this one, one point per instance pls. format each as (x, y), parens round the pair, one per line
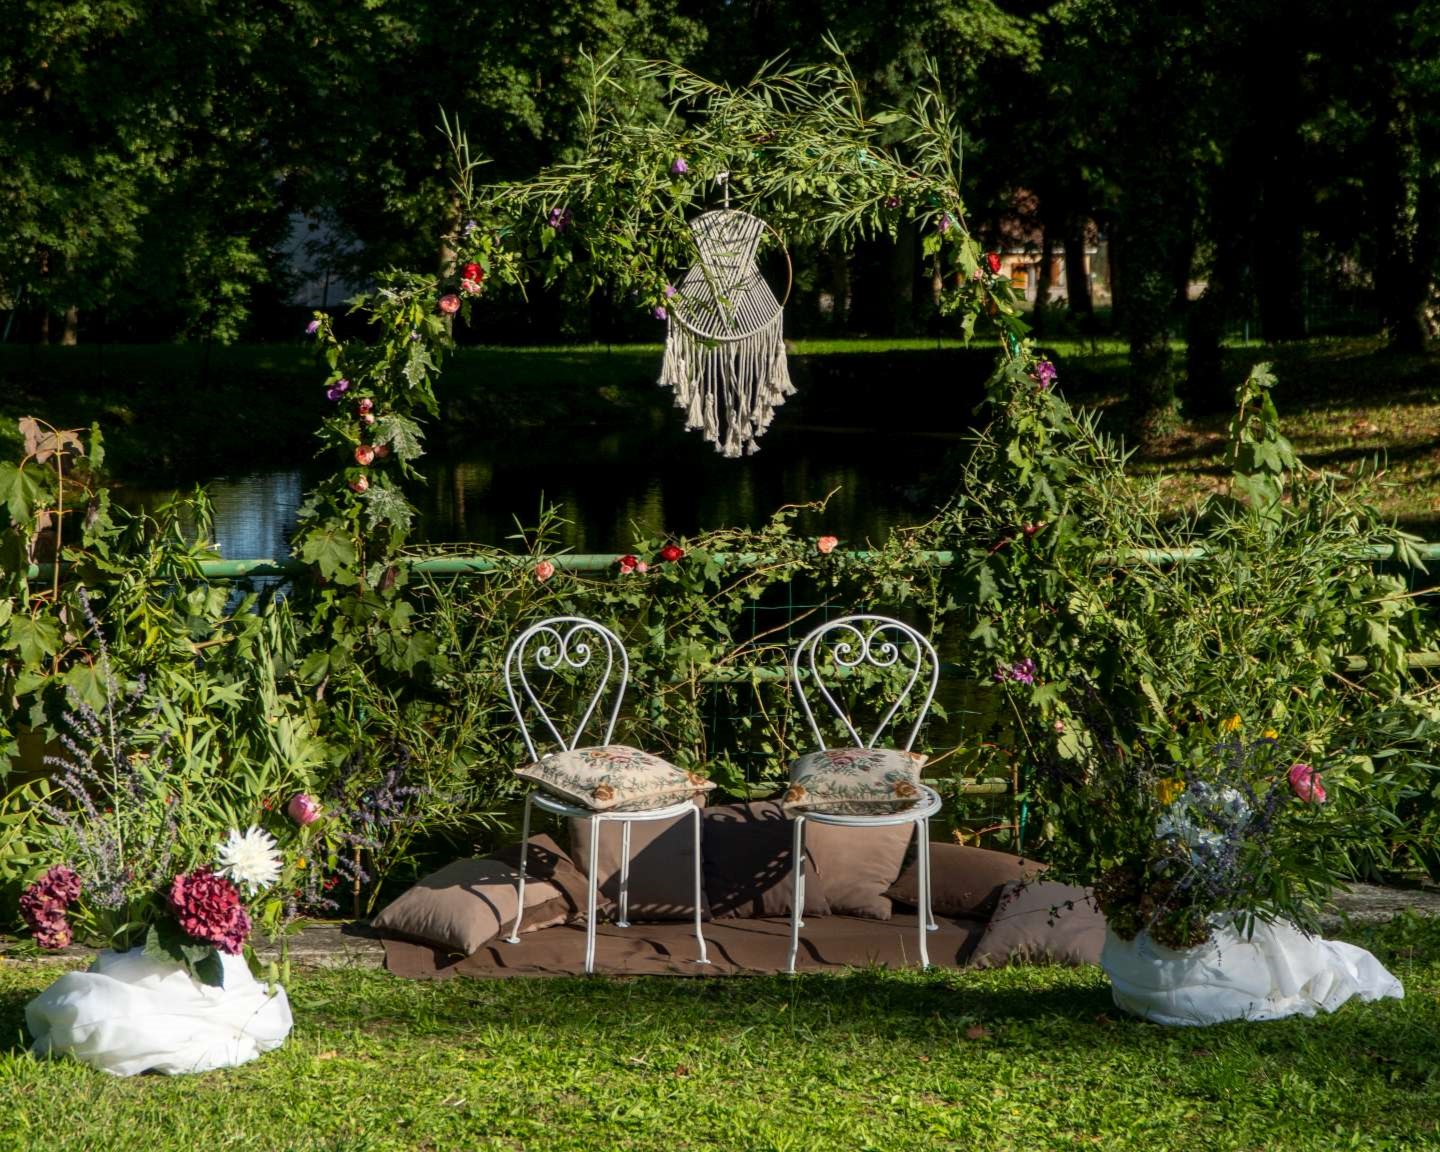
(1232, 724)
(300, 863)
(1270, 734)
(1169, 789)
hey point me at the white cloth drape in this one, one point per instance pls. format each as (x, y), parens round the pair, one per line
(130, 1013)
(1278, 972)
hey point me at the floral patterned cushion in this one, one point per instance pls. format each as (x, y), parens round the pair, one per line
(855, 781)
(613, 778)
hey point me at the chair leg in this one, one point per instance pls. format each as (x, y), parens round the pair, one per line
(514, 937)
(922, 862)
(699, 894)
(797, 890)
(924, 855)
(595, 827)
(624, 920)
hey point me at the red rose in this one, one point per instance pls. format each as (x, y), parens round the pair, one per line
(628, 564)
(671, 553)
(474, 272)
(992, 261)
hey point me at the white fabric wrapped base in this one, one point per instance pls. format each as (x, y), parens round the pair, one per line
(130, 1013)
(1278, 972)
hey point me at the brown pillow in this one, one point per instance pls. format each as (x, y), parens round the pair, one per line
(464, 905)
(747, 850)
(546, 861)
(857, 865)
(662, 866)
(964, 881)
(1042, 923)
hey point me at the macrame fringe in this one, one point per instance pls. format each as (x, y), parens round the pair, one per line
(747, 378)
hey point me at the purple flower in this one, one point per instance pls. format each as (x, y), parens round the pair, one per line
(470, 226)
(342, 386)
(312, 327)
(679, 168)
(1045, 374)
(414, 334)
(559, 219)
(660, 313)
(669, 291)
(332, 394)
(945, 222)
(1022, 672)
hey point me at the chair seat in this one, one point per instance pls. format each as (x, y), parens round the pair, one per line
(613, 777)
(559, 806)
(923, 806)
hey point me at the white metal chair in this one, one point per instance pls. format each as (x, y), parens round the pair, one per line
(565, 645)
(848, 643)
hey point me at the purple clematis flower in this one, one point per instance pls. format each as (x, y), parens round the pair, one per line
(312, 327)
(660, 313)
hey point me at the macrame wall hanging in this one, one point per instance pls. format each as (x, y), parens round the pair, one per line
(724, 341)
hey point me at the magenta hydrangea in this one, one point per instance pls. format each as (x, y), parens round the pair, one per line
(208, 908)
(44, 903)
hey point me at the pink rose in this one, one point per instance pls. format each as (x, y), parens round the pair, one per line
(449, 303)
(628, 564)
(826, 544)
(360, 484)
(364, 455)
(364, 404)
(303, 809)
(642, 567)
(544, 570)
(1305, 783)
(382, 451)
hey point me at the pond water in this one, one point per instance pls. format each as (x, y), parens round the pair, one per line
(614, 485)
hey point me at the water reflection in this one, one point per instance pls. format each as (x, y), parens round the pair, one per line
(613, 487)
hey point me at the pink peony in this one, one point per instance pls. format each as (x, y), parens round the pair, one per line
(544, 570)
(1305, 783)
(449, 303)
(826, 544)
(208, 908)
(303, 809)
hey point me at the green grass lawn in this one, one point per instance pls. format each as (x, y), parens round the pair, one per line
(1016, 1059)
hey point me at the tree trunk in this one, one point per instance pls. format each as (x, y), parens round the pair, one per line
(1045, 280)
(70, 335)
(1077, 273)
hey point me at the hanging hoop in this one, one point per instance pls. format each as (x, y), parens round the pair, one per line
(725, 348)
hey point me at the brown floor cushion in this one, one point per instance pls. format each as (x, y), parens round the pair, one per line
(748, 855)
(829, 943)
(1042, 923)
(662, 866)
(857, 865)
(465, 904)
(964, 881)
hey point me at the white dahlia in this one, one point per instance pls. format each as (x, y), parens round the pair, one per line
(251, 859)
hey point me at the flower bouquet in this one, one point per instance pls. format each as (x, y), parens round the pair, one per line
(1211, 883)
(143, 856)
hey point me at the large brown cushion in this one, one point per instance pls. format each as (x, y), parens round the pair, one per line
(662, 866)
(546, 861)
(463, 905)
(748, 857)
(964, 881)
(857, 865)
(1042, 923)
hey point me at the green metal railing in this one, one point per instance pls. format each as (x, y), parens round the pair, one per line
(593, 562)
